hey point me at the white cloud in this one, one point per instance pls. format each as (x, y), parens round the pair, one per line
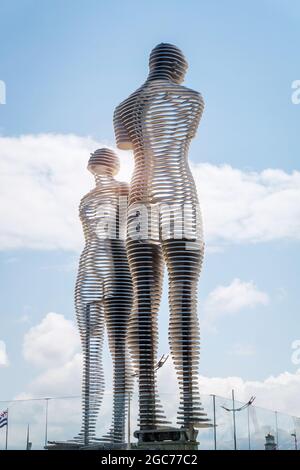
(64, 418)
(279, 392)
(53, 345)
(52, 342)
(43, 178)
(231, 299)
(62, 377)
(3, 355)
(241, 206)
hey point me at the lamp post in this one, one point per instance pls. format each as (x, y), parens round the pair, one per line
(215, 421)
(234, 410)
(248, 426)
(276, 426)
(46, 421)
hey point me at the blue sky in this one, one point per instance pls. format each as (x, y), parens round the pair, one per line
(66, 65)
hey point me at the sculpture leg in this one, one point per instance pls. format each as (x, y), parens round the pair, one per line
(146, 266)
(184, 266)
(117, 310)
(91, 324)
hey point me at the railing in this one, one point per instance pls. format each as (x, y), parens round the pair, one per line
(59, 419)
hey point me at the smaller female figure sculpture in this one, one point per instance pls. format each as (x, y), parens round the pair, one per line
(103, 296)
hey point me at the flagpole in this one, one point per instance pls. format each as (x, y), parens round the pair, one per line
(46, 422)
(6, 435)
(27, 439)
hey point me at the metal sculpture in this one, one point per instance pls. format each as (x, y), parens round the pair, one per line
(158, 121)
(103, 296)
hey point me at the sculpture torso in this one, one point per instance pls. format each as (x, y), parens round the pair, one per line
(159, 120)
(97, 261)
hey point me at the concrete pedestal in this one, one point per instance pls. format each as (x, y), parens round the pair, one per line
(167, 438)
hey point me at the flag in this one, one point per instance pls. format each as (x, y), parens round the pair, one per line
(3, 418)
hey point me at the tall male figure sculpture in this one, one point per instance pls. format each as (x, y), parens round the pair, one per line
(158, 121)
(103, 295)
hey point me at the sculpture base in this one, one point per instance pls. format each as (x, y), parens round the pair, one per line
(167, 438)
(61, 445)
(66, 445)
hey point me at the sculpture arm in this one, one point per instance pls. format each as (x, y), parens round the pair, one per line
(197, 104)
(122, 138)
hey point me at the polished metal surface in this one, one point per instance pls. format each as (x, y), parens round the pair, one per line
(157, 122)
(103, 296)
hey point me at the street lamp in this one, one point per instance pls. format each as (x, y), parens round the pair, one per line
(234, 410)
(46, 420)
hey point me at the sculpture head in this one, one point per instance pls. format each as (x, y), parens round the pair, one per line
(167, 61)
(104, 162)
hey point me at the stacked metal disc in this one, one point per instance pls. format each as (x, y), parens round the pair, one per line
(107, 158)
(158, 121)
(103, 296)
(167, 59)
